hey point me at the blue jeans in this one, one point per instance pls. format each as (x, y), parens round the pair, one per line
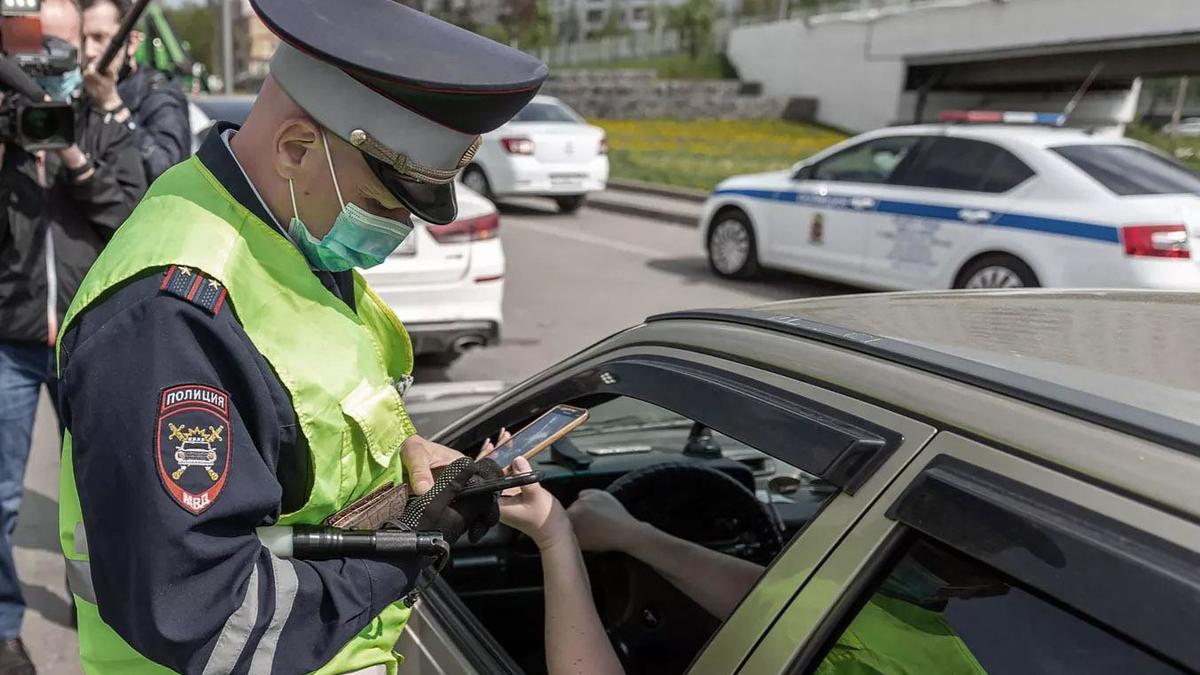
(24, 368)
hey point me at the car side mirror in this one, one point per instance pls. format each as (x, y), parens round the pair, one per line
(802, 171)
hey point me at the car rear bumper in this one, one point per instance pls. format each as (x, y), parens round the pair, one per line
(529, 176)
(452, 336)
(1165, 274)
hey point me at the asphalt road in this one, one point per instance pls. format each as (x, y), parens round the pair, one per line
(571, 280)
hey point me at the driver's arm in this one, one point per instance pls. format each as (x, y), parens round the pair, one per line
(575, 639)
(716, 581)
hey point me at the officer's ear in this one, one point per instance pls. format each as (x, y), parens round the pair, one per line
(297, 148)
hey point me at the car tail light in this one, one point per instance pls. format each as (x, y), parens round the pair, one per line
(1156, 241)
(604, 145)
(517, 146)
(468, 229)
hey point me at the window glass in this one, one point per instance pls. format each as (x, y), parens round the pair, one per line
(939, 612)
(730, 532)
(965, 164)
(545, 112)
(1129, 170)
(870, 162)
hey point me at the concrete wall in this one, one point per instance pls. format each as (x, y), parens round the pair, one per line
(638, 94)
(986, 26)
(855, 63)
(825, 62)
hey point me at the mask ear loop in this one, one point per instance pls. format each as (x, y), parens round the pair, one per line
(292, 191)
(332, 173)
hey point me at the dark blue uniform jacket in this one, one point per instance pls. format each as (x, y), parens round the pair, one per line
(174, 583)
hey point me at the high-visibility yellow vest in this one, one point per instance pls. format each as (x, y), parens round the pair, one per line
(340, 371)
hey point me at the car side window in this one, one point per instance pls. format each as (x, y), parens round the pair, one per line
(965, 164)
(695, 486)
(871, 162)
(936, 611)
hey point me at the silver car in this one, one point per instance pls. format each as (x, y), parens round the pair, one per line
(935, 482)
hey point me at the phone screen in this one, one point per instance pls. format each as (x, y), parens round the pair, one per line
(537, 433)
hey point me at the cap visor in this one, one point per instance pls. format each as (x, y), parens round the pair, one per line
(433, 203)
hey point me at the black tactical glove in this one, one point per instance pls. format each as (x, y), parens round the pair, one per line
(439, 509)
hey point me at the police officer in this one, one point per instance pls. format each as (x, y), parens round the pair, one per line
(224, 368)
(145, 99)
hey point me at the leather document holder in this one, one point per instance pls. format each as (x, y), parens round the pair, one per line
(373, 510)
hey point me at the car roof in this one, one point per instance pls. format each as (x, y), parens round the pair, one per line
(1128, 360)
(1032, 134)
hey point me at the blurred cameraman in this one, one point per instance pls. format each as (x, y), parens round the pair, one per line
(59, 209)
(159, 110)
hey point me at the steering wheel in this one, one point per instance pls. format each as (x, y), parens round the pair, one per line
(653, 626)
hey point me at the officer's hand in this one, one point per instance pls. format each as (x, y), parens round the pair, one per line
(420, 458)
(440, 509)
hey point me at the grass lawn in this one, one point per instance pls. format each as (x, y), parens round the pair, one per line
(669, 67)
(701, 153)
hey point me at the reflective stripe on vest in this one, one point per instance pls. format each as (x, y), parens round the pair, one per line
(339, 373)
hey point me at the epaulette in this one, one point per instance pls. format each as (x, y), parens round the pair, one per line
(193, 286)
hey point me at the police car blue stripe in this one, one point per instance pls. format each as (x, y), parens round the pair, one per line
(1017, 221)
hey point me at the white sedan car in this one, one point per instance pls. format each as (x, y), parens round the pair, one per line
(966, 206)
(547, 150)
(446, 282)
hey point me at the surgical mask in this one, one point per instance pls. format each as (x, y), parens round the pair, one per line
(357, 238)
(62, 87)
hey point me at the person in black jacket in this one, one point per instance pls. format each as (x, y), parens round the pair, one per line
(59, 207)
(147, 100)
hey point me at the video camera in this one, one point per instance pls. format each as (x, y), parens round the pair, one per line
(26, 117)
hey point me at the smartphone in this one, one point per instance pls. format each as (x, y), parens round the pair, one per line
(500, 484)
(539, 435)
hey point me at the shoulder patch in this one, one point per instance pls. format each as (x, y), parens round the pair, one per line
(192, 445)
(193, 286)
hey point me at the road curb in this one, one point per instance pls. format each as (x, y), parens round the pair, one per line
(685, 194)
(627, 209)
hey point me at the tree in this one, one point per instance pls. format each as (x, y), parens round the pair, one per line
(694, 21)
(464, 16)
(193, 24)
(614, 23)
(570, 29)
(497, 32)
(540, 30)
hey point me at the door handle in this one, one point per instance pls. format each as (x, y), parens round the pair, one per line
(862, 203)
(975, 215)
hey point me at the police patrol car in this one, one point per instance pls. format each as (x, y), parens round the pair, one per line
(966, 206)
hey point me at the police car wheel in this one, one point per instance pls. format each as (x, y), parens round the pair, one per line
(997, 271)
(474, 178)
(732, 251)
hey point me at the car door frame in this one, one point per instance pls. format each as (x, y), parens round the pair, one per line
(675, 378)
(956, 489)
(850, 209)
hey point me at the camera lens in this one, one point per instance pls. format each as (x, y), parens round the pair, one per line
(39, 124)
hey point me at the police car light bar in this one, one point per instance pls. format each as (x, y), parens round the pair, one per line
(997, 117)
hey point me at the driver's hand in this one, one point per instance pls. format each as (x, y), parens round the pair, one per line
(602, 523)
(534, 511)
(420, 458)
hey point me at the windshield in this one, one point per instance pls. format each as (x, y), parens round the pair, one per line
(545, 112)
(1129, 170)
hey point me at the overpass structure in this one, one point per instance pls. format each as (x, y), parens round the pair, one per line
(906, 60)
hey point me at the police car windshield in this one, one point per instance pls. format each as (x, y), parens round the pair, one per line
(1127, 170)
(545, 112)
